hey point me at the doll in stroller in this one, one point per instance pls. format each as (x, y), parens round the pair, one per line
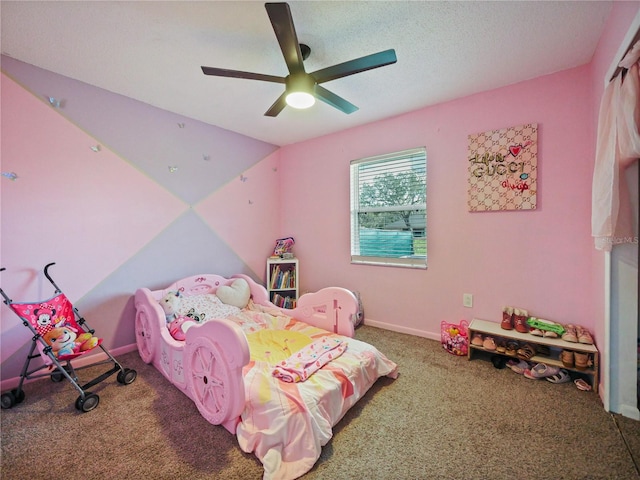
(60, 334)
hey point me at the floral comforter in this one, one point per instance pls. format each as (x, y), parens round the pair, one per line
(286, 424)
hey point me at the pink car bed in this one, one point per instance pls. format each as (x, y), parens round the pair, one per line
(279, 379)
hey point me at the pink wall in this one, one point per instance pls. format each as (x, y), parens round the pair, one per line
(539, 260)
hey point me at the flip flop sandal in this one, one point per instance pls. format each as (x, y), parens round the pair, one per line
(561, 377)
(526, 351)
(502, 347)
(582, 385)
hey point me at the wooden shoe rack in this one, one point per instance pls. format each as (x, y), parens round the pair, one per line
(556, 345)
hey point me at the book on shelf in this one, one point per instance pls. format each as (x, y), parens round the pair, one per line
(283, 301)
(282, 279)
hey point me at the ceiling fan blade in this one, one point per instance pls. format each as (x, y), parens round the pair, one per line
(277, 106)
(223, 72)
(358, 65)
(282, 22)
(334, 100)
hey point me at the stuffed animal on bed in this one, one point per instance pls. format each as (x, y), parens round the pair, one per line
(170, 304)
(178, 327)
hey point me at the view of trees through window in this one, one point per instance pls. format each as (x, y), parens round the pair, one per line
(394, 190)
(388, 207)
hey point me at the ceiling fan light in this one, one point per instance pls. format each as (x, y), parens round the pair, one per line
(300, 100)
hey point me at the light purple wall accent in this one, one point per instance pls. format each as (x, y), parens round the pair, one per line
(187, 247)
(148, 137)
(180, 242)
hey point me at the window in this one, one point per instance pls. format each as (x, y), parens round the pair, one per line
(389, 209)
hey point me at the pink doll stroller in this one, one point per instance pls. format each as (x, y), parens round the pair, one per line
(60, 334)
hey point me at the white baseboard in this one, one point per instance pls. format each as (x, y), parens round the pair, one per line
(399, 329)
(11, 383)
(630, 411)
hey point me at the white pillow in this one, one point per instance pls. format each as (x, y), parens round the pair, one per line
(236, 294)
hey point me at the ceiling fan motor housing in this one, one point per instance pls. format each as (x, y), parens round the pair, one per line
(300, 82)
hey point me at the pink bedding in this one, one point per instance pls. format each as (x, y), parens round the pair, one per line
(286, 424)
(226, 365)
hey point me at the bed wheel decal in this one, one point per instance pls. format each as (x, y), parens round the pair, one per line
(145, 337)
(208, 378)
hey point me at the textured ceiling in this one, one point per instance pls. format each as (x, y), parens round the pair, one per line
(152, 51)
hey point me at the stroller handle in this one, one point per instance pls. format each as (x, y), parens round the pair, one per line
(46, 274)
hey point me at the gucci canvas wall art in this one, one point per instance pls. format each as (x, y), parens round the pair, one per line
(503, 169)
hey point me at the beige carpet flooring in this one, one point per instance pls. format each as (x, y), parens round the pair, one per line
(444, 418)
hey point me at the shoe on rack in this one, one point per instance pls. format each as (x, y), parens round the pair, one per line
(583, 335)
(543, 350)
(567, 358)
(520, 320)
(582, 360)
(527, 351)
(476, 340)
(570, 334)
(512, 348)
(489, 344)
(507, 318)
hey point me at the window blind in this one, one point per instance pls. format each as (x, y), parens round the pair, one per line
(389, 209)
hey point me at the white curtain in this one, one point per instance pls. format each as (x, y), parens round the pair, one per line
(618, 146)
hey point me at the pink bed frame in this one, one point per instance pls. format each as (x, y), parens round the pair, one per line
(208, 365)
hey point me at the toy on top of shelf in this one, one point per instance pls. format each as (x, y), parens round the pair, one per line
(283, 246)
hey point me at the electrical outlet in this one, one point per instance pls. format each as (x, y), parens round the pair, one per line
(467, 300)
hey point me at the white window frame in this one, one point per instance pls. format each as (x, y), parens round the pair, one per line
(409, 261)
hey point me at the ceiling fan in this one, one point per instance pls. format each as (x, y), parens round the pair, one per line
(301, 88)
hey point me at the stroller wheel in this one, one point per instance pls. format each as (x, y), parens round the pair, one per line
(57, 376)
(88, 403)
(18, 395)
(127, 376)
(12, 398)
(8, 400)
